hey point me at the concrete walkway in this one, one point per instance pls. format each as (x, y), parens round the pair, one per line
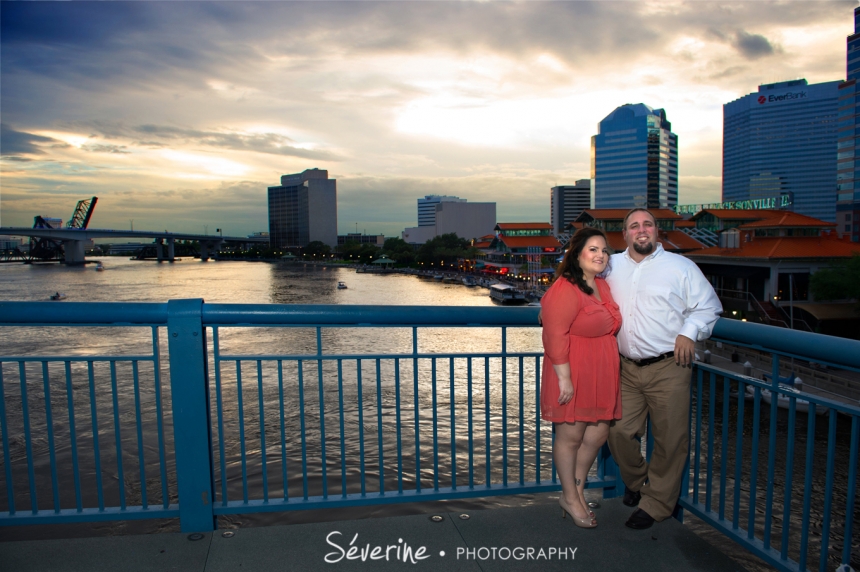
(525, 538)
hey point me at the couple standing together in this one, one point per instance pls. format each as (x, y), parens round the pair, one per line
(651, 306)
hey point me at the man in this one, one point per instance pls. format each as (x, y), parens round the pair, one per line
(666, 305)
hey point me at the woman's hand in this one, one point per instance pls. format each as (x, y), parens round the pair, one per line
(565, 387)
(565, 390)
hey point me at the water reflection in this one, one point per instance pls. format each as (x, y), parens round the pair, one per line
(396, 397)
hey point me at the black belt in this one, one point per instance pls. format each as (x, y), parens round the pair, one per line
(650, 360)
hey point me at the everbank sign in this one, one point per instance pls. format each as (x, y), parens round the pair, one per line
(790, 96)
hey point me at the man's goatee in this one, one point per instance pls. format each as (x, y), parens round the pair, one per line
(643, 248)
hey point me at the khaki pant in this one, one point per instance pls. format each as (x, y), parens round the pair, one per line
(662, 390)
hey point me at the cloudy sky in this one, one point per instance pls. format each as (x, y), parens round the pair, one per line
(178, 115)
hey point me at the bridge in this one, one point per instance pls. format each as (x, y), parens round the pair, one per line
(183, 426)
(74, 240)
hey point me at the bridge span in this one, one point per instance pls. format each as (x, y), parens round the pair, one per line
(74, 240)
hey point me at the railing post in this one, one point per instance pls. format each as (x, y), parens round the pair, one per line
(189, 388)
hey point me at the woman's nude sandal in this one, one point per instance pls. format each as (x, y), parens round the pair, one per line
(588, 522)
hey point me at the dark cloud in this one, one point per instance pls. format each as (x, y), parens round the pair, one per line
(271, 143)
(184, 44)
(728, 72)
(144, 40)
(753, 46)
(90, 24)
(159, 136)
(105, 148)
(21, 143)
(101, 41)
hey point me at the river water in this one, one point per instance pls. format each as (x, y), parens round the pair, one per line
(239, 282)
(282, 283)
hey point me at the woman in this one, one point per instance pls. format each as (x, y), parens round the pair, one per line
(580, 386)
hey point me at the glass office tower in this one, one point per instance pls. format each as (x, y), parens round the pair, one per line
(634, 159)
(782, 140)
(848, 145)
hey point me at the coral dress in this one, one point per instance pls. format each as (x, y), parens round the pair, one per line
(580, 329)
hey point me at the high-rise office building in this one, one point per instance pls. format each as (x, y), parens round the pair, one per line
(466, 220)
(427, 208)
(567, 202)
(782, 140)
(634, 159)
(848, 143)
(303, 209)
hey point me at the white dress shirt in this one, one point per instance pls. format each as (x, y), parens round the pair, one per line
(660, 297)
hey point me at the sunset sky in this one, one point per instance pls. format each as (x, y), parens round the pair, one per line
(179, 115)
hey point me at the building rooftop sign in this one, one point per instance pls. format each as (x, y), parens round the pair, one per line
(779, 202)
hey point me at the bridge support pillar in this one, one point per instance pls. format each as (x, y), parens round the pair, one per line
(74, 251)
(204, 251)
(170, 249)
(159, 250)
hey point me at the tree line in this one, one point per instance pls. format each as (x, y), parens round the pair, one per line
(445, 248)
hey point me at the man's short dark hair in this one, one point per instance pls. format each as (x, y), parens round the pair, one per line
(637, 209)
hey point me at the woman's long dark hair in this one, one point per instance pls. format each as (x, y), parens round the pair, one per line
(569, 267)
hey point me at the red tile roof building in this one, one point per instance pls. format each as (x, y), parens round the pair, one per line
(759, 261)
(522, 248)
(611, 221)
(763, 261)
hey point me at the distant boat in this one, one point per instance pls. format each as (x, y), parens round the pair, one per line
(58, 296)
(783, 400)
(100, 266)
(535, 295)
(438, 277)
(506, 294)
(469, 281)
(341, 285)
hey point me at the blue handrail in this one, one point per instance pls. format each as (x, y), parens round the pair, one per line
(264, 432)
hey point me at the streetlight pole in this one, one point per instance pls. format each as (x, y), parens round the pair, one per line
(791, 300)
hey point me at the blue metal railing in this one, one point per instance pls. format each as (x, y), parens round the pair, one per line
(758, 488)
(312, 419)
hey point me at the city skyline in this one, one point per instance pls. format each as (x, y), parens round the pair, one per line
(181, 115)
